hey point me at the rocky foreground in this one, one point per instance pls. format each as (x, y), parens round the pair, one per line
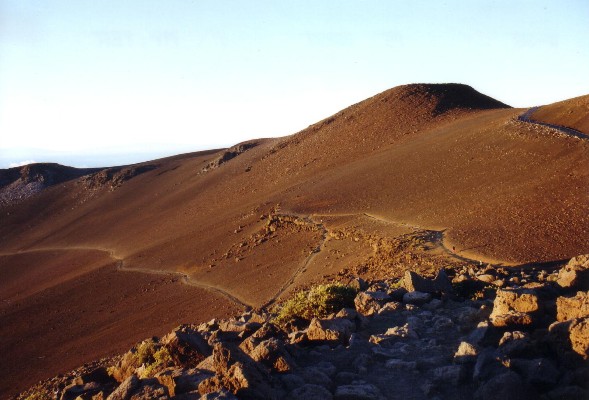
(491, 333)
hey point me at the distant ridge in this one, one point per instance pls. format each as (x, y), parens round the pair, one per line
(19, 183)
(443, 97)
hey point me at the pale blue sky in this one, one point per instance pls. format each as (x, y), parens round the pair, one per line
(96, 83)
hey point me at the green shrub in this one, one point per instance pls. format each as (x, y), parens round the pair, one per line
(145, 352)
(161, 359)
(317, 302)
(39, 396)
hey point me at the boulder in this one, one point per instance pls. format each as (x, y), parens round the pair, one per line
(487, 278)
(337, 330)
(414, 282)
(516, 344)
(222, 394)
(359, 284)
(570, 338)
(568, 393)
(515, 307)
(291, 381)
(272, 354)
(150, 389)
(71, 392)
(487, 366)
(186, 346)
(125, 389)
(237, 374)
(572, 307)
(368, 303)
(361, 391)
(449, 374)
(310, 392)
(179, 381)
(579, 336)
(315, 376)
(398, 364)
(416, 298)
(539, 372)
(327, 368)
(505, 386)
(575, 273)
(466, 353)
(347, 313)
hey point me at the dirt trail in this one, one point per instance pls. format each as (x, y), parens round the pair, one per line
(526, 117)
(184, 278)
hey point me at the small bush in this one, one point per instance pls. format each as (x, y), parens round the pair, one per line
(145, 352)
(160, 359)
(317, 302)
(39, 396)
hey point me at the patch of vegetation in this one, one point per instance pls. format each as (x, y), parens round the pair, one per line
(153, 357)
(161, 359)
(145, 352)
(318, 302)
(38, 396)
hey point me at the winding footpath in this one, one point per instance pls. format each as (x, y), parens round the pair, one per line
(526, 117)
(120, 266)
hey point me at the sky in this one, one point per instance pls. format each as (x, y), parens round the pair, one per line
(93, 83)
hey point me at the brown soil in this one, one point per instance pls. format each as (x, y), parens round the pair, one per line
(573, 113)
(99, 313)
(410, 173)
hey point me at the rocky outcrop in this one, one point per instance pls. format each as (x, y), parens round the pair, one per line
(572, 307)
(575, 274)
(230, 153)
(512, 342)
(515, 307)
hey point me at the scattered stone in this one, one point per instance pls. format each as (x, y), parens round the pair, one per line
(310, 392)
(222, 394)
(568, 393)
(125, 389)
(579, 336)
(486, 278)
(487, 366)
(368, 303)
(449, 374)
(514, 307)
(391, 307)
(397, 364)
(515, 344)
(505, 386)
(315, 376)
(347, 313)
(271, 353)
(364, 391)
(397, 294)
(575, 273)
(571, 336)
(292, 381)
(337, 330)
(359, 284)
(539, 372)
(572, 307)
(436, 347)
(416, 298)
(466, 353)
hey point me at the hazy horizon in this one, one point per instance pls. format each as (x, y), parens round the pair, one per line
(90, 84)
